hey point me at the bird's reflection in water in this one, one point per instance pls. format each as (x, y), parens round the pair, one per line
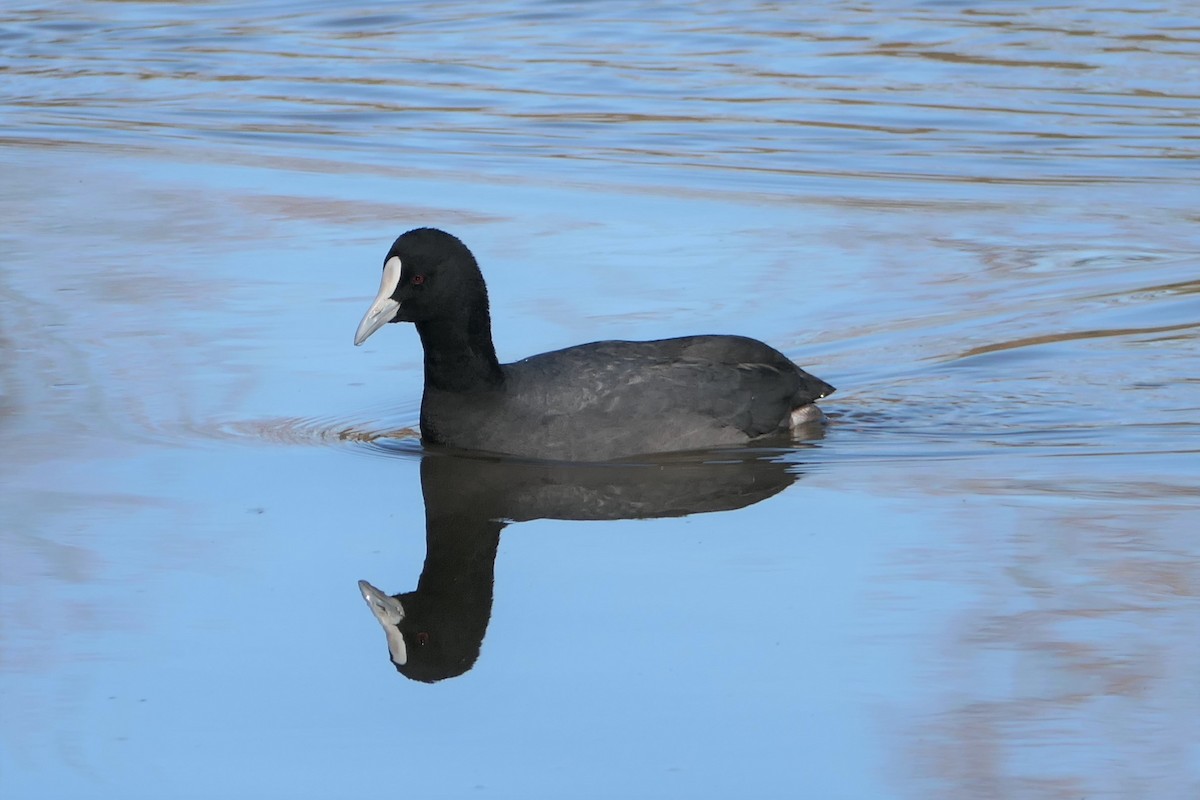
(435, 632)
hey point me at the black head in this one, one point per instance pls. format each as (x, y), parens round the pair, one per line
(427, 275)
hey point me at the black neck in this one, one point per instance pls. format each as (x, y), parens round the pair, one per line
(460, 357)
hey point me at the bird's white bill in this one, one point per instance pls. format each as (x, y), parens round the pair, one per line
(384, 308)
(390, 614)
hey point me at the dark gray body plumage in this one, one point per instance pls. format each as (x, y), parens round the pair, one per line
(606, 400)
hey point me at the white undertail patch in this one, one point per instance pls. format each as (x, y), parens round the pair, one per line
(806, 414)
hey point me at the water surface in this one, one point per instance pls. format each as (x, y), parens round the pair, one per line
(979, 222)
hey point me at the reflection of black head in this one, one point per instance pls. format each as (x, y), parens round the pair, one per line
(436, 631)
(441, 625)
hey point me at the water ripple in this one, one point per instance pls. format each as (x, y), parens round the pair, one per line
(316, 430)
(1020, 96)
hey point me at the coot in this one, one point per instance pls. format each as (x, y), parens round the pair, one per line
(591, 402)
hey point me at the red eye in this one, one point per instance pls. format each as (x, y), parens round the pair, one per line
(417, 280)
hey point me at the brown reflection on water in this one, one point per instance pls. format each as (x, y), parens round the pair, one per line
(1072, 672)
(383, 215)
(1030, 341)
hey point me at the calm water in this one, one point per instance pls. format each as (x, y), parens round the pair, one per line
(978, 221)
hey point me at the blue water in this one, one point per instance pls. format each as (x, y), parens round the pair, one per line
(979, 223)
